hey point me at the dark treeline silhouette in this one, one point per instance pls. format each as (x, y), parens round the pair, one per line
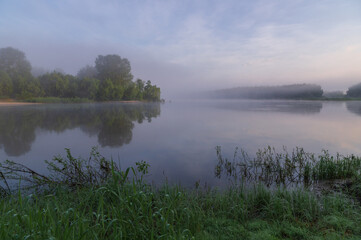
(334, 94)
(112, 123)
(109, 79)
(354, 91)
(296, 91)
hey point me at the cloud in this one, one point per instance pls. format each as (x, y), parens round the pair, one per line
(183, 45)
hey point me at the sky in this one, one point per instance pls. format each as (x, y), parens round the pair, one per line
(184, 46)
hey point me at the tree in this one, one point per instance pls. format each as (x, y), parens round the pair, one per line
(88, 88)
(294, 91)
(30, 88)
(48, 83)
(14, 63)
(131, 91)
(87, 72)
(114, 68)
(61, 85)
(109, 79)
(106, 90)
(118, 92)
(354, 91)
(71, 89)
(6, 85)
(140, 87)
(151, 92)
(115, 76)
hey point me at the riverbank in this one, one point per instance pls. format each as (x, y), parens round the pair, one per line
(57, 100)
(13, 102)
(93, 199)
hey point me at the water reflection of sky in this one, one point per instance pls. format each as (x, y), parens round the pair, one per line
(178, 139)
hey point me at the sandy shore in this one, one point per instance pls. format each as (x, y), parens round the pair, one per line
(10, 103)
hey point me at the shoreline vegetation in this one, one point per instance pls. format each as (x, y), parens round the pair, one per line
(287, 92)
(109, 79)
(45, 100)
(41, 100)
(93, 199)
(13, 102)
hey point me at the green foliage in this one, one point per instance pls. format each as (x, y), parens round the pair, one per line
(6, 85)
(106, 91)
(151, 92)
(72, 89)
(117, 92)
(30, 88)
(88, 87)
(94, 199)
(61, 86)
(48, 83)
(57, 84)
(14, 62)
(114, 68)
(110, 80)
(140, 89)
(131, 91)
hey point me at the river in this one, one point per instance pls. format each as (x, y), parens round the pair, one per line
(178, 139)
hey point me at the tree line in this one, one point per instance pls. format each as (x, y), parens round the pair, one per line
(110, 79)
(295, 91)
(354, 91)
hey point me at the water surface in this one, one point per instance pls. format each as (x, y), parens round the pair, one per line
(177, 139)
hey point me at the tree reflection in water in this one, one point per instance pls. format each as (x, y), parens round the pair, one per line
(283, 106)
(354, 107)
(111, 122)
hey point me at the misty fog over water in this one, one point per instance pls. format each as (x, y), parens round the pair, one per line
(177, 139)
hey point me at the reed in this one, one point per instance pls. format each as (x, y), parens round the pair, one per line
(283, 168)
(119, 204)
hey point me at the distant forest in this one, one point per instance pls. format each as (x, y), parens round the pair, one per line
(295, 91)
(110, 79)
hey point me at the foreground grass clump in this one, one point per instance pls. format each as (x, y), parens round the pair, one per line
(283, 168)
(136, 211)
(116, 204)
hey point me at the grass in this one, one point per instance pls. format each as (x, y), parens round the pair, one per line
(137, 211)
(93, 199)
